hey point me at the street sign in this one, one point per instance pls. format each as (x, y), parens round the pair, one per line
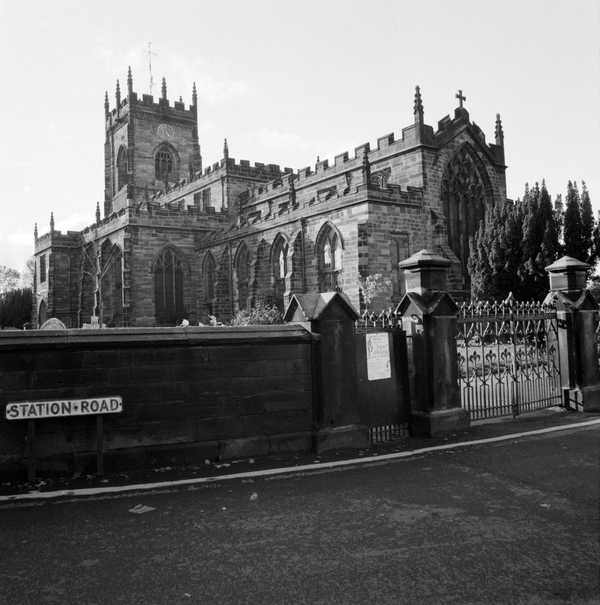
(34, 410)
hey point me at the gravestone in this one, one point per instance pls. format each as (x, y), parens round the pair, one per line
(53, 324)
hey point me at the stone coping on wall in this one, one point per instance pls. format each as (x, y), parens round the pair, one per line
(145, 336)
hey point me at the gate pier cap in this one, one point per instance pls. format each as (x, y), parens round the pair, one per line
(577, 314)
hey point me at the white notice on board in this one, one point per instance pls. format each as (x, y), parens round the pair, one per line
(378, 356)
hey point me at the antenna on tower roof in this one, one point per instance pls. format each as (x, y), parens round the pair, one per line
(149, 53)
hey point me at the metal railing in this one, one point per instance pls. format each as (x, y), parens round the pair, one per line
(507, 358)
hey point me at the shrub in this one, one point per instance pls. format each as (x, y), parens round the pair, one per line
(260, 314)
(15, 308)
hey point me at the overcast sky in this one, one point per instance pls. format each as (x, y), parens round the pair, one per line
(285, 82)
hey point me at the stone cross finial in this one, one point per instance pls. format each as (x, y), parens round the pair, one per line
(460, 97)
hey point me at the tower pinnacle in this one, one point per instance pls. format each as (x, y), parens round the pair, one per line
(418, 108)
(118, 95)
(35, 232)
(106, 105)
(499, 131)
(97, 212)
(52, 222)
(225, 150)
(129, 81)
(194, 95)
(163, 89)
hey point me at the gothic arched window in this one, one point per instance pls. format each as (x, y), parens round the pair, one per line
(279, 260)
(121, 168)
(164, 164)
(329, 255)
(42, 313)
(168, 288)
(242, 270)
(209, 271)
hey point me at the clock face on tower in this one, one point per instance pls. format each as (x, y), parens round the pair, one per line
(165, 131)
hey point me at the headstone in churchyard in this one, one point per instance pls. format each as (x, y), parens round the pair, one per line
(53, 324)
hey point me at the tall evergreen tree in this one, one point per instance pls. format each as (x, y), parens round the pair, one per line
(596, 239)
(587, 223)
(573, 228)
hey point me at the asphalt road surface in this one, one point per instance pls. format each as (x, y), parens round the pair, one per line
(510, 522)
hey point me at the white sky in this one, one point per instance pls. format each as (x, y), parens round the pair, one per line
(285, 82)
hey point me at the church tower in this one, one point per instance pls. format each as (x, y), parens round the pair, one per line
(149, 145)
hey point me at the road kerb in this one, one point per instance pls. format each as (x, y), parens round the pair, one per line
(287, 470)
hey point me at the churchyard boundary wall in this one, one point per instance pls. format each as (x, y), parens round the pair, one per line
(189, 394)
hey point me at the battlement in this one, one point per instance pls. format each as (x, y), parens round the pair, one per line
(245, 168)
(57, 238)
(147, 103)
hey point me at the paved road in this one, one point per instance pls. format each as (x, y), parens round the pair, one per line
(511, 522)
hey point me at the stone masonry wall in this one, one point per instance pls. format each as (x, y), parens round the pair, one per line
(188, 394)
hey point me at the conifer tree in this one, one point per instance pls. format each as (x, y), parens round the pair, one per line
(478, 263)
(587, 224)
(529, 271)
(573, 228)
(596, 239)
(550, 245)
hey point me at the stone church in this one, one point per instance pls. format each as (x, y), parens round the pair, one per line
(176, 239)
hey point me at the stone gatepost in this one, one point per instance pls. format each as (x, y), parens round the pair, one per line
(429, 319)
(577, 313)
(336, 406)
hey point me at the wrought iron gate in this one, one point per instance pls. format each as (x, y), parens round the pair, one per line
(507, 358)
(384, 403)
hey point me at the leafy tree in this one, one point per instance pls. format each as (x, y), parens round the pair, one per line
(28, 273)
(9, 279)
(15, 308)
(373, 288)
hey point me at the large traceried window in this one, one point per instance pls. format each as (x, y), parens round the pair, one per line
(164, 164)
(121, 168)
(329, 252)
(168, 288)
